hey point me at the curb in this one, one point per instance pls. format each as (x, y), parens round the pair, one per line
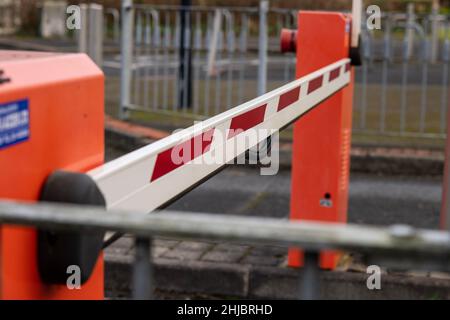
(247, 282)
(369, 160)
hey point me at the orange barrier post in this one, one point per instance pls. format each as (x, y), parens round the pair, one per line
(321, 146)
(51, 117)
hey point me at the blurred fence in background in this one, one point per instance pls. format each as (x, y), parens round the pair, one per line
(402, 86)
(401, 89)
(9, 17)
(221, 58)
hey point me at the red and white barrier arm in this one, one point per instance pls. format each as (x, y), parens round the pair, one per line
(148, 178)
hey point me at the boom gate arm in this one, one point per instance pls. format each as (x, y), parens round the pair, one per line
(148, 178)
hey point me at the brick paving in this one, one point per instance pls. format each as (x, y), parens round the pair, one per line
(206, 270)
(207, 251)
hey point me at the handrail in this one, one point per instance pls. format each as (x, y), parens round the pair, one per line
(397, 246)
(308, 235)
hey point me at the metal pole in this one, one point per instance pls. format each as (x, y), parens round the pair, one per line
(310, 277)
(410, 30)
(185, 57)
(214, 42)
(126, 56)
(434, 31)
(424, 92)
(82, 34)
(263, 39)
(384, 73)
(95, 38)
(142, 270)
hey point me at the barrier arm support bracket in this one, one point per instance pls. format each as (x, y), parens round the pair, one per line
(321, 139)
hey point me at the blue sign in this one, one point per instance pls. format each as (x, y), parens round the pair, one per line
(14, 123)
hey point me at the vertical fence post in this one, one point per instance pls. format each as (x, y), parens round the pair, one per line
(410, 30)
(214, 42)
(262, 47)
(424, 83)
(82, 34)
(126, 57)
(95, 38)
(90, 37)
(385, 73)
(116, 21)
(185, 56)
(142, 270)
(310, 277)
(404, 89)
(434, 31)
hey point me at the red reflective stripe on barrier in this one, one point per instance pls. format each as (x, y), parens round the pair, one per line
(315, 84)
(288, 98)
(335, 73)
(347, 67)
(247, 120)
(174, 157)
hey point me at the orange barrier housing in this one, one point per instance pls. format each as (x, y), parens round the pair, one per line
(321, 147)
(52, 106)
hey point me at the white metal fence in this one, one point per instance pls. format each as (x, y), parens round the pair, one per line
(401, 89)
(403, 82)
(224, 57)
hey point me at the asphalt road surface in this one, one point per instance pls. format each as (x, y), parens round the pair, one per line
(373, 199)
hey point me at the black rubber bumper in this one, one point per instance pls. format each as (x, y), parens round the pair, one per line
(57, 251)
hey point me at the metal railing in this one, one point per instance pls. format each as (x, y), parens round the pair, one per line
(226, 57)
(402, 86)
(397, 246)
(9, 17)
